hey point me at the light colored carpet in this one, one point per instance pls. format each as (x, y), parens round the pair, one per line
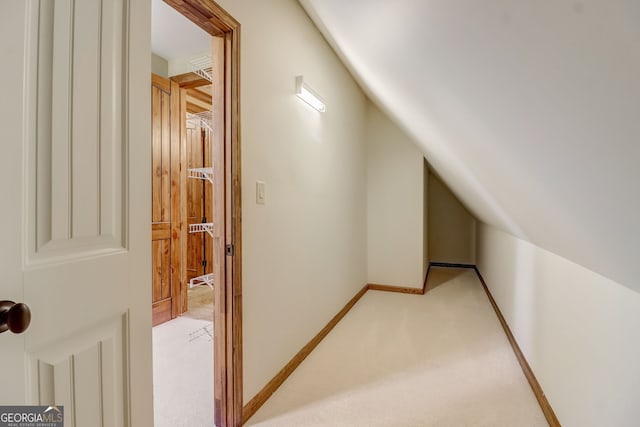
(183, 373)
(441, 359)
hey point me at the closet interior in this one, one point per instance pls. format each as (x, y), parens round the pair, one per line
(182, 193)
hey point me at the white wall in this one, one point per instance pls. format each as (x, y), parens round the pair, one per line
(159, 65)
(304, 251)
(530, 114)
(452, 229)
(395, 194)
(182, 64)
(578, 330)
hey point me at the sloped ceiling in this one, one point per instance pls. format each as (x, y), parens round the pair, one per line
(529, 110)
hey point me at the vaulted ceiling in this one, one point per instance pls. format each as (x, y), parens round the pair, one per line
(529, 110)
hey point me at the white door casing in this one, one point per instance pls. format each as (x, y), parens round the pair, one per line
(75, 176)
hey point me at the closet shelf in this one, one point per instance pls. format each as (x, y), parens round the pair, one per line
(206, 279)
(201, 228)
(201, 173)
(202, 66)
(202, 119)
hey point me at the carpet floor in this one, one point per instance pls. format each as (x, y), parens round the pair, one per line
(183, 365)
(440, 359)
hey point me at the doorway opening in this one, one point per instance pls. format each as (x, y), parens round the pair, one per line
(196, 244)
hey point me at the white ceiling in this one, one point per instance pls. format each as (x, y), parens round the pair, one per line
(530, 111)
(173, 36)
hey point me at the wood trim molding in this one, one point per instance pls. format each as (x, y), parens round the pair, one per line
(161, 83)
(197, 101)
(400, 289)
(261, 397)
(207, 15)
(225, 32)
(200, 96)
(190, 80)
(547, 410)
(416, 291)
(221, 393)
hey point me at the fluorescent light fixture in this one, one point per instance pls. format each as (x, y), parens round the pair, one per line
(304, 92)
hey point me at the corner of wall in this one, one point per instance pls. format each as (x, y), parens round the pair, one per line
(395, 195)
(576, 328)
(159, 66)
(451, 226)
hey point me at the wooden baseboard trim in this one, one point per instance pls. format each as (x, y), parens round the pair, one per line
(451, 265)
(547, 410)
(261, 397)
(400, 289)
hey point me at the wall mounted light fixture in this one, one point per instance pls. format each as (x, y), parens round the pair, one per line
(308, 95)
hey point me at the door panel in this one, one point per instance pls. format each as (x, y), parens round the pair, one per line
(85, 374)
(75, 244)
(78, 149)
(161, 199)
(161, 154)
(166, 227)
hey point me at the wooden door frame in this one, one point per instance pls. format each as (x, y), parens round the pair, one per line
(225, 31)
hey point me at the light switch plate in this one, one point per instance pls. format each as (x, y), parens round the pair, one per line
(260, 192)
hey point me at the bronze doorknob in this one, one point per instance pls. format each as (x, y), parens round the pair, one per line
(14, 317)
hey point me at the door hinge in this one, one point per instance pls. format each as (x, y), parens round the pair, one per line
(204, 219)
(230, 250)
(204, 263)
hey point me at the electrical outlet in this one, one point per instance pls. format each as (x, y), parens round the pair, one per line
(260, 192)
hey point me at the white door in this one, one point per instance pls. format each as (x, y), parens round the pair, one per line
(75, 188)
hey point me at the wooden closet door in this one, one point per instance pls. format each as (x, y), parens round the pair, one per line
(165, 201)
